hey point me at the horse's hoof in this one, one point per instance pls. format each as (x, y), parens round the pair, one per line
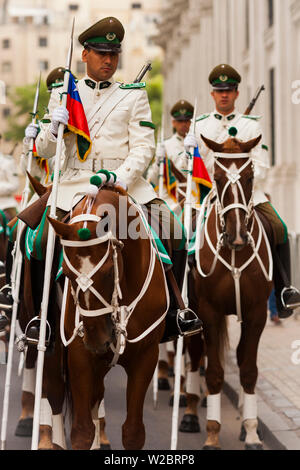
(182, 401)
(24, 427)
(243, 433)
(163, 384)
(105, 447)
(254, 446)
(211, 448)
(190, 423)
(204, 403)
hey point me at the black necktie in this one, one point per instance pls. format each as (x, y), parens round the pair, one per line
(92, 84)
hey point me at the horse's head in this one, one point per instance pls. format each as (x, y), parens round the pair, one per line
(233, 180)
(93, 263)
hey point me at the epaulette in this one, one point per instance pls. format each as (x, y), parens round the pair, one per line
(254, 118)
(147, 124)
(203, 116)
(133, 86)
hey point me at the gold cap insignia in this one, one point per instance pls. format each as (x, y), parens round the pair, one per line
(223, 78)
(110, 36)
(182, 112)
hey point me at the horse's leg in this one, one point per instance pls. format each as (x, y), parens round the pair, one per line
(162, 376)
(100, 440)
(190, 421)
(86, 383)
(251, 330)
(139, 375)
(215, 332)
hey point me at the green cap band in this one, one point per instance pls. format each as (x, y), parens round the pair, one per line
(103, 40)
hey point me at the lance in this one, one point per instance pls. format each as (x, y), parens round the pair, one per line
(49, 259)
(16, 278)
(160, 161)
(187, 226)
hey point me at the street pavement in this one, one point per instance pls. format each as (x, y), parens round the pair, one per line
(278, 385)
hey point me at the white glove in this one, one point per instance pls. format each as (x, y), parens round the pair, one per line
(31, 131)
(59, 115)
(121, 184)
(160, 152)
(190, 141)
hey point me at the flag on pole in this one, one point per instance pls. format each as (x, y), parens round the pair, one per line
(169, 180)
(77, 120)
(201, 176)
(41, 162)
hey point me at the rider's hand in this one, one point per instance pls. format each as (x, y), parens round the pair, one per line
(190, 141)
(59, 115)
(31, 131)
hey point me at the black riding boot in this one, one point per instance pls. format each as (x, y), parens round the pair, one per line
(287, 297)
(6, 300)
(175, 324)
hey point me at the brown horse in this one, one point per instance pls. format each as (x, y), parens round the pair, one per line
(116, 286)
(232, 258)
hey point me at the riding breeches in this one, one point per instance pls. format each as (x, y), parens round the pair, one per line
(279, 228)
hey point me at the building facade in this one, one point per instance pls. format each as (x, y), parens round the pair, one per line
(261, 39)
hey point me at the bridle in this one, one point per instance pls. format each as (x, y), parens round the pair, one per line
(120, 314)
(233, 179)
(214, 201)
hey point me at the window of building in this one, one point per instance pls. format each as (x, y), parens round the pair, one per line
(272, 115)
(43, 65)
(6, 43)
(6, 67)
(136, 5)
(43, 42)
(73, 7)
(270, 12)
(5, 112)
(80, 67)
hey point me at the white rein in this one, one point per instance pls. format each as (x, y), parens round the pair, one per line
(206, 209)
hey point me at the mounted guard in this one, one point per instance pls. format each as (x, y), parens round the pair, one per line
(225, 80)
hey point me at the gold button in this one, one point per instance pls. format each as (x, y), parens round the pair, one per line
(98, 93)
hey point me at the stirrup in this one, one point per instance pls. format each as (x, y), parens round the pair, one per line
(289, 306)
(198, 322)
(34, 326)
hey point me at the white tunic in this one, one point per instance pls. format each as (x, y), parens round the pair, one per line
(120, 141)
(174, 147)
(215, 126)
(9, 181)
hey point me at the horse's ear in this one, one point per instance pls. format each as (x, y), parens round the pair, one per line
(60, 228)
(247, 146)
(213, 145)
(39, 188)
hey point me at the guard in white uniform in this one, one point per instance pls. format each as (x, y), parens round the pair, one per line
(215, 126)
(120, 126)
(172, 149)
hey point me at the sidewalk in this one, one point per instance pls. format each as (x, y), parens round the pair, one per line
(278, 385)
